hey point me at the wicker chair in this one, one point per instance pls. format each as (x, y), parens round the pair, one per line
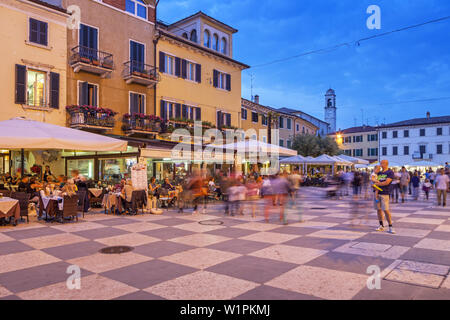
(24, 199)
(70, 207)
(5, 192)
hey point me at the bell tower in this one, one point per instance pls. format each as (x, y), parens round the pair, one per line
(330, 109)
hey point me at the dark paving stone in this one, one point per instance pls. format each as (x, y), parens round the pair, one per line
(13, 247)
(12, 297)
(348, 262)
(36, 277)
(316, 243)
(252, 268)
(410, 225)
(232, 232)
(391, 290)
(166, 233)
(230, 222)
(427, 255)
(171, 222)
(427, 216)
(441, 235)
(116, 222)
(33, 233)
(140, 295)
(161, 249)
(271, 293)
(147, 274)
(355, 227)
(387, 238)
(100, 233)
(294, 230)
(75, 250)
(239, 246)
(329, 219)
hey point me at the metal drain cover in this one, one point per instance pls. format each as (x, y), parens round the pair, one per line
(317, 208)
(116, 250)
(211, 222)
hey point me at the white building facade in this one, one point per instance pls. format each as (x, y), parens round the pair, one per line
(422, 139)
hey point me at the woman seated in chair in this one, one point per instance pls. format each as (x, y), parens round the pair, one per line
(127, 193)
(69, 189)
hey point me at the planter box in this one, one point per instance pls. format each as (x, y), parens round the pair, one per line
(107, 65)
(85, 60)
(95, 62)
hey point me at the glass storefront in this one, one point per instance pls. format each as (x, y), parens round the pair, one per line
(113, 170)
(84, 166)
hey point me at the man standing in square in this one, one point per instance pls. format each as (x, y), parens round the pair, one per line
(385, 177)
(442, 183)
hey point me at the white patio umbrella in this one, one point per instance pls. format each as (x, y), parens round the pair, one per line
(353, 159)
(256, 146)
(21, 133)
(422, 163)
(294, 160)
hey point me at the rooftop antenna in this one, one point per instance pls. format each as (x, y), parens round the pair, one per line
(355, 122)
(251, 85)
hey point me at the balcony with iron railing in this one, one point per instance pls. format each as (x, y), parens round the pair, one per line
(90, 118)
(91, 60)
(140, 73)
(141, 124)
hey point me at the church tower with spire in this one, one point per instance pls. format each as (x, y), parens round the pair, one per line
(330, 109)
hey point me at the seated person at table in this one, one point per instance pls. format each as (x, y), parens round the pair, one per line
(153, 187)
(127, 192)
(167, 185)
(62, 181)
(25, 185)
(119, 187)
(69, 189)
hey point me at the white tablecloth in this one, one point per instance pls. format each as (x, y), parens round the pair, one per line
(7, 204)
(96, 192)
(46, 200)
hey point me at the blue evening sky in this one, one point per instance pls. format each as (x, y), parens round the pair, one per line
(404, 66)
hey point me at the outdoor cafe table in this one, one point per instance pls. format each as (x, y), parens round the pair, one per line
(95, 192)
(9, 208)
(51, 204)
(111, 200)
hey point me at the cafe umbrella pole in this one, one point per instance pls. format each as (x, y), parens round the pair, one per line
(22, 163)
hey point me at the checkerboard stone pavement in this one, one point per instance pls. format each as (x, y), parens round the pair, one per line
(324, 257)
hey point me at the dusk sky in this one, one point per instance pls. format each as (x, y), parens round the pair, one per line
(378, 77)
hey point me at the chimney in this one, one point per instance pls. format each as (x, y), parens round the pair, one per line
(428, 115)
(256, 99)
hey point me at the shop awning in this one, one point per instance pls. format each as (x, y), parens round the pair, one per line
(353, 159)
(294, 160)
(21, 133)
(256, 146)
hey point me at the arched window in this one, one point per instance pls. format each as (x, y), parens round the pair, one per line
(185, 35)
(224, 46)
(194, 35)
(207, 39)
(216, 42)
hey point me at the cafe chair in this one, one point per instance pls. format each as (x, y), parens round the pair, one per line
(5, 192)
(70, 207)
(24, 199)
(81, 201)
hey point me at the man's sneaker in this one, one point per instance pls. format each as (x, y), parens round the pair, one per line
(391, 230)
(380, 228)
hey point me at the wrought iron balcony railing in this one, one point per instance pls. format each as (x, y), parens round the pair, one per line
(91, 60)
(99, 120)
(141, 73)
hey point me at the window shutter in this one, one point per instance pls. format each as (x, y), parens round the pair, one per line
(163, 110)
(178, 67)
(183, 69)
(84, 93)
(33, 36)
(198, 114)
(215, 78)
(198, 73)
(228, 119)
(184, 114)
(162, 62)
(43, 33)
(132, 103)
(219, 119)
(54, 90)
(177, 111)
(21, 77)
(228, 87)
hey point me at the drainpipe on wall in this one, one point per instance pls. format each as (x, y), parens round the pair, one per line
(155, 42)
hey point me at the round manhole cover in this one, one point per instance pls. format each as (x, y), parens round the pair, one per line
(211, 222)
(116, 250)
(318, 208)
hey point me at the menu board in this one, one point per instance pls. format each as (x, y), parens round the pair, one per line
(139, 176)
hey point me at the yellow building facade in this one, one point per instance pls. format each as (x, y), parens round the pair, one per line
(33, 63)
(198, 83)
